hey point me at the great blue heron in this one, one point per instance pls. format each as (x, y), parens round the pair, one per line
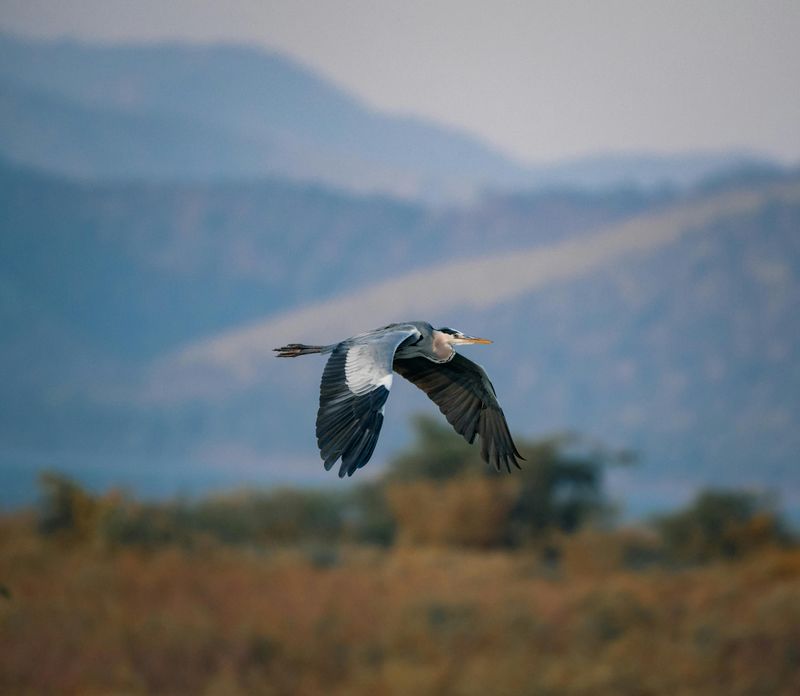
(357, 378)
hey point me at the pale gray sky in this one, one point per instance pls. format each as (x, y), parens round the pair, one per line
(539, 80)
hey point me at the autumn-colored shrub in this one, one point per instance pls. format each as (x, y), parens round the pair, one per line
(721, 524)
(593, 552)
(470, 512)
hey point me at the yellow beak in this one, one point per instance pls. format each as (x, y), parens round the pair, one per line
(470, 339)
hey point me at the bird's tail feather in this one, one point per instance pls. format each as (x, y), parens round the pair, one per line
(292, 350)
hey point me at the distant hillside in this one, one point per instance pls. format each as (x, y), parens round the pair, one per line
(662, 322)
(141, 268)
(97, 280)
(52, 132)
(179, 111)
(649, 170)
(674, 332)
(306, 127)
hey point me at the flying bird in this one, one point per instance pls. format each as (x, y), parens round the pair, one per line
(358, 376)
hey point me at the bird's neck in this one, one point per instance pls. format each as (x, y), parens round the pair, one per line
(442, 348)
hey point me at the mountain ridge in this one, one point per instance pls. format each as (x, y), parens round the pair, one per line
(239, 112)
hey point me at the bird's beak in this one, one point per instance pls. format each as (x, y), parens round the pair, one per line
(472, 339)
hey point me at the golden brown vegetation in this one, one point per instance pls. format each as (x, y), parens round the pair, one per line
(468, 512)
(216, 619)
(470, 584)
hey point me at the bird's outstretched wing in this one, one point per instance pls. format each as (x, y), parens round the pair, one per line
(462, 391)
(354, 388)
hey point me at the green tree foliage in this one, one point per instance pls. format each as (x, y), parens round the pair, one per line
(367, 514)
(66, 510)
(437, 453)
(148, 525)
(282, 516)
(721, 524)
(559, 489)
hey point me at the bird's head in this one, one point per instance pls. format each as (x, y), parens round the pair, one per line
(455, 338)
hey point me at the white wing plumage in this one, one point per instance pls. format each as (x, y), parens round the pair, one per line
(354, 388)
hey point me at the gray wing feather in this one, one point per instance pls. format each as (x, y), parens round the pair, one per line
(354, 388)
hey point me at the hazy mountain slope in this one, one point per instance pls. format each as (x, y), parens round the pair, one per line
(138, 267)
(690, 356)
(192, 111)
(471, 284)
(684, 344)
(260, 97)
(55, 133)
(98, 280)
(649, 170)
(674, 332)
(141, 268)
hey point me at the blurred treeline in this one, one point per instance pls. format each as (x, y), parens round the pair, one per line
(439, 577)
(437, 493)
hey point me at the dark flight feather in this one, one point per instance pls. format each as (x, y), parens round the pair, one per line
(465, 396)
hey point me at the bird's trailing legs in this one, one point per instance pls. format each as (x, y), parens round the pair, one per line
(292, 350)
